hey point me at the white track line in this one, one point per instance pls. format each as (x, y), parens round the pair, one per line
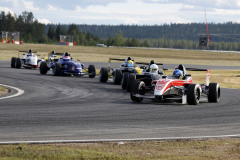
(119, 140)
(19, 91)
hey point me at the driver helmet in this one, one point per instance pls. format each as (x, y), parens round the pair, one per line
(129, 58)
(66, 57)
(29, 52)
(153, 68)
(178, 74)
(129, 63)
(151, 62)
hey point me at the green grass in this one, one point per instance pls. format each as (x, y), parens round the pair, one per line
(222, 148)
(102, 54)
(3, 90)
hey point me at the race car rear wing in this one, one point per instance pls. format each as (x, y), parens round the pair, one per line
(55, 53)
(27, 51)
(198, 69)
(116, 59)
(59, 54)
(143, 63)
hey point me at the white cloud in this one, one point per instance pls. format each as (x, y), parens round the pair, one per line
(29, 5)
(51, 8)
(127, 11)
(7, 10)
(43, 21)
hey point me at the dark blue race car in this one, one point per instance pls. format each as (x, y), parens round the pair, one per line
(66, 66)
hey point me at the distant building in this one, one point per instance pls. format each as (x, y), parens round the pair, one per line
(66, 40)
(11, 37)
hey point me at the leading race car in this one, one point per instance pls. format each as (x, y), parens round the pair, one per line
(178, 86)
(29, 60)
(66, 66)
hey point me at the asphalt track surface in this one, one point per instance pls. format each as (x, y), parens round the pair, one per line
(80, 108)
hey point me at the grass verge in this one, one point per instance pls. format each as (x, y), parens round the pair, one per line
(101, 54)
(221, 148)
(3, 91)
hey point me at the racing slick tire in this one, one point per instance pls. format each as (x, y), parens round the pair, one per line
(91, 71)
(124, 80)
(193, 94)
(117, 76)
(103, 76)
(131, 78)
(214, 92)
(138, 87)
(43, 67)
(56, 71)
(18, 63)
(13, 61)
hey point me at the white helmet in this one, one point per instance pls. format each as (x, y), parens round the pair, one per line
(153, 68)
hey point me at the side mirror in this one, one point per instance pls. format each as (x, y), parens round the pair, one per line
(78, 59)
(24, 54)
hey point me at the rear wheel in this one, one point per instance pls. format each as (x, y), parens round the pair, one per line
(214, 92)
(103, 76)
(193, 94)
(43, 67)
(117, 76)
(91, 71)
(13, 61)
(56, 71)
(138, 87)
(131, 78)
(18, 63)
(124, 80)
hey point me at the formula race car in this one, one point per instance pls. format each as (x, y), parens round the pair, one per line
(178, 86)
(147, 74)
(29, 60)
(66, 66)
(52, 56)
(119, 75)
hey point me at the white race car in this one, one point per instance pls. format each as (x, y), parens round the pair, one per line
(29, 60)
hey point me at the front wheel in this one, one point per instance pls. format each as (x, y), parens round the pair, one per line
(214, 92)
(13, 61)
(43, 67)
(18, 63)
(56, 71)
(91, 71)
(131, 78)
(138, 87)
(193, 94)
(124, 80)
(117, 76)
(103, 75)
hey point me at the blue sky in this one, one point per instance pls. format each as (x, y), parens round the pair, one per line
(141, 12)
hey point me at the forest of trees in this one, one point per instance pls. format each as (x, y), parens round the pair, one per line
(223, 36)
